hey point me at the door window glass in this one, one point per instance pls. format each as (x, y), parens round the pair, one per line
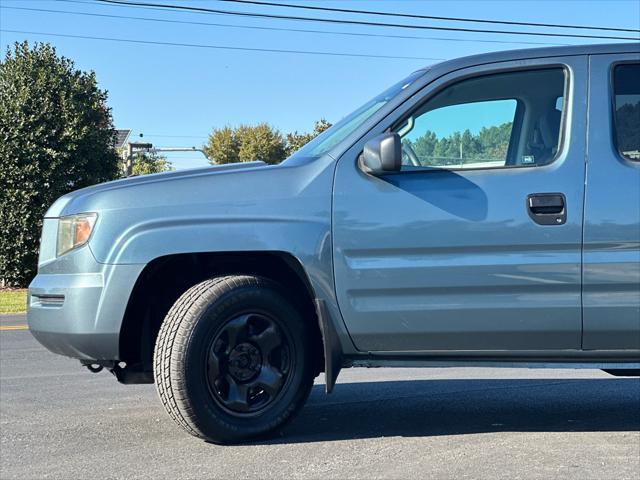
(495, 121)
(626, 91)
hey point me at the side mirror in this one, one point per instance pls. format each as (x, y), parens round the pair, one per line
(382, 154)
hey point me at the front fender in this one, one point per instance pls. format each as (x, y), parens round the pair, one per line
(148, 240)
(268, 210)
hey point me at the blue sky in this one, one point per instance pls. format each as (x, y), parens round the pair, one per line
(176, 95)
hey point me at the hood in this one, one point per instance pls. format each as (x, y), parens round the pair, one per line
(63, 205)
(245, 206)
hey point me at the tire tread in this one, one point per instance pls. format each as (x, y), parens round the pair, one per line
(169, 353)
(177, 322)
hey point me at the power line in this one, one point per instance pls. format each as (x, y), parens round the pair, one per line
(353, 22)
(429, 17)
(160, 135)
(220, 47)
(253, 27)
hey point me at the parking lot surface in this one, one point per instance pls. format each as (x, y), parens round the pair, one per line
(59, 421)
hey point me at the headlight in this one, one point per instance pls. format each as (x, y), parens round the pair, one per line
(74, 231)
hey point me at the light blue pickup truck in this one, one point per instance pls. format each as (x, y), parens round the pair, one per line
(483, 212)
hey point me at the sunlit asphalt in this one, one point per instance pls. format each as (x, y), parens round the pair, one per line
(57, 420)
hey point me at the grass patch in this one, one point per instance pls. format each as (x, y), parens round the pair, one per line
(13, 301)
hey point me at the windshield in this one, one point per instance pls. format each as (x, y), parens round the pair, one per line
(341, 130)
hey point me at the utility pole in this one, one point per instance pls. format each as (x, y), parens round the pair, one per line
(127, 160)
(133, 148)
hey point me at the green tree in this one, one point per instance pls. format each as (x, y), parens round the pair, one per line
(295, 141)
(223, 146)
(425, 145)
(56, 135)
(260, 142)
(488, 144)
(146, 163)
(245, 143)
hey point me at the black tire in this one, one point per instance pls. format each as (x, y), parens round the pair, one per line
(217, 371)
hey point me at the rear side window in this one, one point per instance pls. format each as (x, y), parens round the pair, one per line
(626, 91)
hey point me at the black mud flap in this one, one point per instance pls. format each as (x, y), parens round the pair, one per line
(331, 344)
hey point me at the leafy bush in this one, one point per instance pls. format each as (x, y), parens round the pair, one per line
(56, 135)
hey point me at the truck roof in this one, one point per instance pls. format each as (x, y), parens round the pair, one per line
(522, 54)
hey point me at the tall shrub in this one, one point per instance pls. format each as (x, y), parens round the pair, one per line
(56, 135)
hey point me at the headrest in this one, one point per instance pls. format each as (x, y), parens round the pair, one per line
(549, 126)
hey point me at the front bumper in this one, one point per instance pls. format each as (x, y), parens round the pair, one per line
(80, 314)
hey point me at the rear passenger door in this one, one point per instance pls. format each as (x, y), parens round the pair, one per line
(611, 273)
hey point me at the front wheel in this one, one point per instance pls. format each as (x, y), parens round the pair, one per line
(233, 359)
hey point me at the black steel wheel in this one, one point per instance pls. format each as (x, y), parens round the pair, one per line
(248, 363)
(234, 359)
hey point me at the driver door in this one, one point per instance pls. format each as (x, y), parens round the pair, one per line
(475, 245)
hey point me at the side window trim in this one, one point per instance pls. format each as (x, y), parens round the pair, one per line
(562, 141)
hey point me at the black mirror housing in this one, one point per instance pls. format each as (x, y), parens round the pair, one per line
(382, 154)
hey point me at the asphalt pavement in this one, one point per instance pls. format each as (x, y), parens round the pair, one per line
(57, 420)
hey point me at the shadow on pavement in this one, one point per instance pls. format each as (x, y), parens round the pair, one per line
(459, 407)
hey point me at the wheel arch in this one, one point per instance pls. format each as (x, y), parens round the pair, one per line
(165, 278)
